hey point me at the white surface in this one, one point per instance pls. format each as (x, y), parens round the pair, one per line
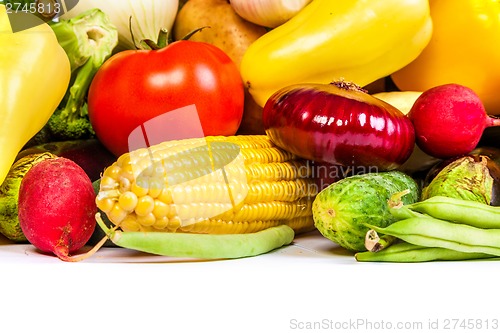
(312, 282)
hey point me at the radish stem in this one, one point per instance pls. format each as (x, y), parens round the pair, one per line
(62, 252)
(492, 121)
(86, 255)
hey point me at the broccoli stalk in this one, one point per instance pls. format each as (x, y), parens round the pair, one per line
(88, 39)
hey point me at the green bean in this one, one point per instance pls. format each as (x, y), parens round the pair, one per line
(406, 252)
(459, 211)
(202, 246)
(432, 232)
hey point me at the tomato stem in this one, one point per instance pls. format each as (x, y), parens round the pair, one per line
(164, 38)
(189, 34)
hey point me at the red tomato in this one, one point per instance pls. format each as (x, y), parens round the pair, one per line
(135, 86)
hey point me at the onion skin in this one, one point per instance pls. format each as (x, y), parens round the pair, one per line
(339, 123)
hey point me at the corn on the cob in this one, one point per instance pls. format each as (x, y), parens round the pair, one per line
(236, 184)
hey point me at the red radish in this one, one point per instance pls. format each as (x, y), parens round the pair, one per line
(57, 207)
(449, 120)
(339, 123)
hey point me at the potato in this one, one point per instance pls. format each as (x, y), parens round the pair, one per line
(227, 30)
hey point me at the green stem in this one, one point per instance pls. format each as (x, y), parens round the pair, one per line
(398, 209)
(395, 199)
(78, 91)
(163, 38)
(109, 232)
(190, 34)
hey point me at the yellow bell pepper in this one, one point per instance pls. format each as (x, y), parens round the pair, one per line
(34, 76)
(358, 40)
(464, 49)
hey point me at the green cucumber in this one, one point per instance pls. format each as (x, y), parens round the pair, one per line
(342, 210)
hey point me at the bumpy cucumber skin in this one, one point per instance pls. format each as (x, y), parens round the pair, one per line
(9, 223)
(342, 209)
(9, 194)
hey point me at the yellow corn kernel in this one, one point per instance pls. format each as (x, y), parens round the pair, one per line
(104, 203)
(283, 190)
(146, 220)
(128, 201)
(161, 209)
(127, 172)
(114, 172)
(172, 211)
(117, 214)
(166, 195)
(156, 186)
(174, 223)
(299, 224)
(233, 184)
(122, 160)
(145, 205)
(161, 223)
(130, 224)
(108, 183)
(139, 190)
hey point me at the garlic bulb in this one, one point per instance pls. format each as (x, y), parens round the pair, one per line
(148, 17)
(268, 13)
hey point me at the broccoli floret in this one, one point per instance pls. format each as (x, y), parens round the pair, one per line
(68, 125)
(88, 39)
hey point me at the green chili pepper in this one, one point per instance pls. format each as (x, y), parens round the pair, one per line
(432, 232)
(406, 252)
(203, 246)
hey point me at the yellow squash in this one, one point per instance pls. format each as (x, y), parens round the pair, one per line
(464, 49)
(34, 76)
(358, 40)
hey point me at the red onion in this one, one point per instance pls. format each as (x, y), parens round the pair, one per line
(339, 123)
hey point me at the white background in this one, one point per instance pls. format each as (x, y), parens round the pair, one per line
(311, 281)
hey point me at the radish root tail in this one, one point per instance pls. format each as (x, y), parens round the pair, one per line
(63, 255)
